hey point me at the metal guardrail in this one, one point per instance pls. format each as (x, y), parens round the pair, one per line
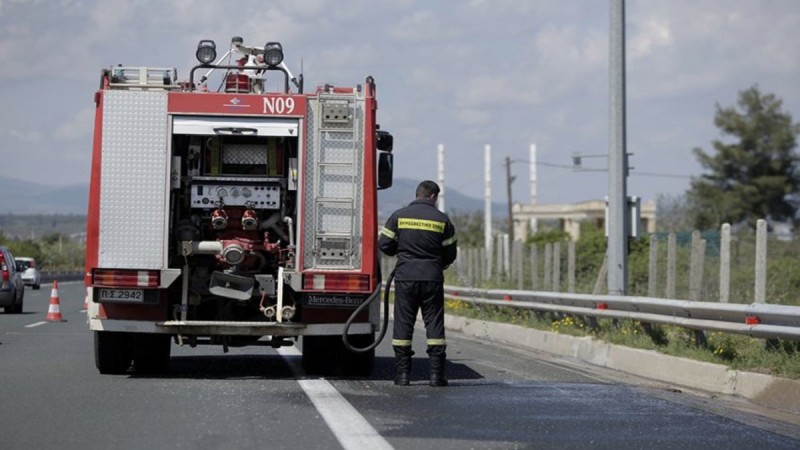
(47, 277)
(756, 319)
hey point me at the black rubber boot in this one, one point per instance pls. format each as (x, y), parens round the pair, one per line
(402, 365)
(438, 359)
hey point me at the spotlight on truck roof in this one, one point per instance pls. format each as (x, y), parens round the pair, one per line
(273, 53)
(206, 51)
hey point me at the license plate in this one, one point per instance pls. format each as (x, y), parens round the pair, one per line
(121, 295)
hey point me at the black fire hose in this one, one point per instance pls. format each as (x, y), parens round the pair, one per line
(382, 333)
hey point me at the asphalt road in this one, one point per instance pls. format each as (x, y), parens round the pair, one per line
(51, 396)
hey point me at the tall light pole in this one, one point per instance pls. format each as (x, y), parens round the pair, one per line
(487, 207)
(534, 195)
(440, 201)
(509, 180)
(617, 164)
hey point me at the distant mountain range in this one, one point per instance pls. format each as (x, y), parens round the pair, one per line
(27, 197)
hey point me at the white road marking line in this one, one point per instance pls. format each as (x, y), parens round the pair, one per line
(351, 428)
(35, 324)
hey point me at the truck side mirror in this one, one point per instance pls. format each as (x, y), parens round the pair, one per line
(385, 141)
(385, 169)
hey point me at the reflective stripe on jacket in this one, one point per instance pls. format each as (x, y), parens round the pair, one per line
(422, 238)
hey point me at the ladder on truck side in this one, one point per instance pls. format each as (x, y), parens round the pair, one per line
(333, 236)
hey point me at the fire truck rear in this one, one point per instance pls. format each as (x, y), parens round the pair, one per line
(243, 215)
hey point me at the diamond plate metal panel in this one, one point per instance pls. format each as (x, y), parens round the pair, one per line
(244, 154)
(134, 187)
(334, 218)
(309, 173)
(337, 147)
(333, 182)
(337, 181)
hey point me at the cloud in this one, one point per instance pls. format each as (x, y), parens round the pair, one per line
(25, 136)
(77, 126)
(652, 35)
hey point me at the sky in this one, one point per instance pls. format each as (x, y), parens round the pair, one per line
(463, 74)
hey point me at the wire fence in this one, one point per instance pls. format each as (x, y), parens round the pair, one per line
(712, 266)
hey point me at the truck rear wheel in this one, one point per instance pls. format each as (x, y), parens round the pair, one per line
(358, 364)
(320, 354)
(326, 355)
(112, 352)
(151, 353)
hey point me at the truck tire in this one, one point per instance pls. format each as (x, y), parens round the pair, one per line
(112, 352)
(151, 353)
(320, 354)
(358, 364)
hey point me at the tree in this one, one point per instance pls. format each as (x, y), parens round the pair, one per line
(673, 213)
(755, 174)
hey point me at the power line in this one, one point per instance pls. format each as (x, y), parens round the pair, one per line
(633, 172)
(662, 175)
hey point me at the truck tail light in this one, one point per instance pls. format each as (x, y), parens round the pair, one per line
(336, 282)
(4, 268)
(126, 278)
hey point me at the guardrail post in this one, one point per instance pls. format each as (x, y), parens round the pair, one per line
(671, 265)
(652, 273)
(725, 263)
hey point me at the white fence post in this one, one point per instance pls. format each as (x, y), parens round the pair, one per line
(761, 261)
(671, 265)
(548, 264)
(534, 267)
(725, 264)
(652, 272)
(571, 267)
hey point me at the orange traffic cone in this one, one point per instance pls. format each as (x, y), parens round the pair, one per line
(54, 311)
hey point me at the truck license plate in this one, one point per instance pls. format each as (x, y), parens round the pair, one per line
(121, 295)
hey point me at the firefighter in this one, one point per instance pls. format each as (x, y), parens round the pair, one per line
(423, 238)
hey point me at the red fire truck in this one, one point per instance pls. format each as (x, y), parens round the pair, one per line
(242, 215)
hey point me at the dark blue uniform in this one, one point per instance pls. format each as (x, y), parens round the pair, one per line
(424, 241)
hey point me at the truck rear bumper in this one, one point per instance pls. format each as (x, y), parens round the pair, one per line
(219, 328)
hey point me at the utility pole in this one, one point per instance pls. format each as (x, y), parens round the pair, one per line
(534, 195)
(617, 224)
(487, 208)
(509, 180)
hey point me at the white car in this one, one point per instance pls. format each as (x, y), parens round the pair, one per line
(30, 274)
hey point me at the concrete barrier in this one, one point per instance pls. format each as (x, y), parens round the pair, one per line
(766, 390)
